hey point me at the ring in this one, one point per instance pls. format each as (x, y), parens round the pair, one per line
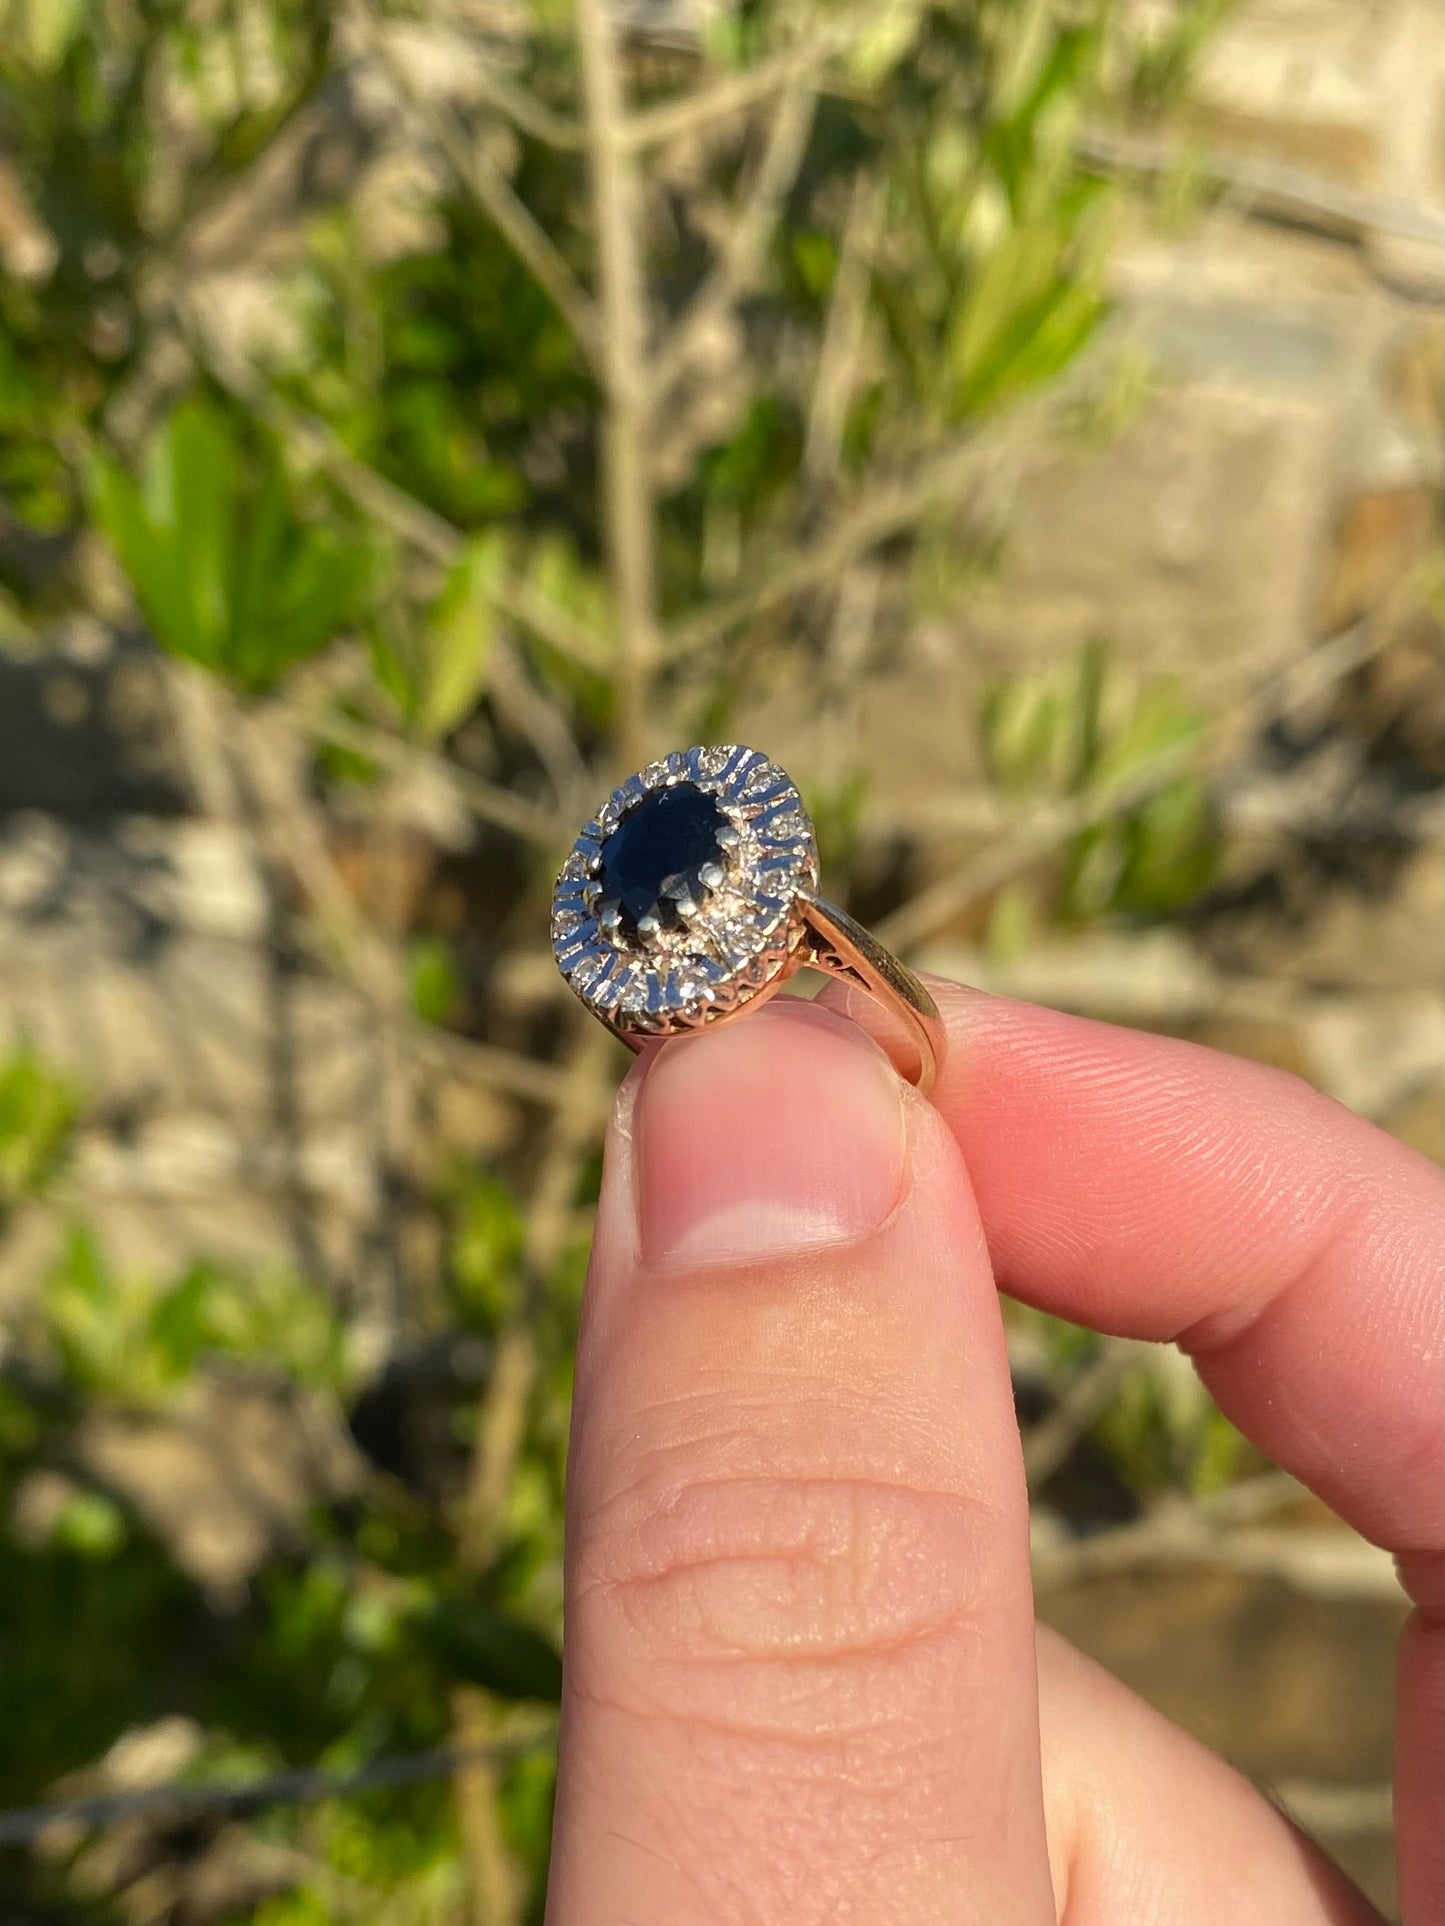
(691, 897)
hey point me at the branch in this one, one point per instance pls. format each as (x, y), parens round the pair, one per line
(500, 1438)
(741, 262)
(498, 1069)
(844, 332)
(1056, 822)
(523, 1732)
(392, 507)
(517, 701)
(486, 800)
(529, 242)
(1050, 1441)
(1271, 187)
(531, 115)
(627, 510)
(548, 1218)
(740, 92)
(882, 513)
(295, 841)
(1331, 1562)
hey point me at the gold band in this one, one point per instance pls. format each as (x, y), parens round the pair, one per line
(842, 947)
(831, 941)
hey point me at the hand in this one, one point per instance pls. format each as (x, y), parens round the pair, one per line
(803, 1679)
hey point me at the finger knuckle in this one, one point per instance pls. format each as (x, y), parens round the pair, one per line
(708, 1568)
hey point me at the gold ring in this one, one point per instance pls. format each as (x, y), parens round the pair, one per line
(692, 897)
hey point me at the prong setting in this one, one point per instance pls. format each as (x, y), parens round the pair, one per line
(711, 930)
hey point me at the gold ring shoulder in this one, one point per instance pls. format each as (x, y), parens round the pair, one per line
(840, 946)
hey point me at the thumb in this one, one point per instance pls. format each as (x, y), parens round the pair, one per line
(799, 1667)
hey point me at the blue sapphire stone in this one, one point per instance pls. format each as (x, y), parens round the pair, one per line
(656, 856)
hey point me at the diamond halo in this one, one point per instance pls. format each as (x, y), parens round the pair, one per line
(722, 931)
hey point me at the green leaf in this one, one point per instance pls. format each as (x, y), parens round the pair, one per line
(148, 556)
(179, 1326)
(484, 1248)
(435, 986)
(460, 635)
(227, 570)
(37, 1117)
(41, 32)
(874, 55)
(191, 485)
(91, 1524)
(317, 595)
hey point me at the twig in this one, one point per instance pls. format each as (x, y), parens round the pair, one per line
(430, 533)
(392, 507)
(475, 167)
(883, 512)
(495, 1894)
(626, 481)
(738, 93)
(531, 115)
(361, 957)
(737, 271)
(841, 348)
(1272, 187)
(1046, 829)
(1049, 1442)
(1176, 1529)
(22, 1825)
(549, 1218)
(1329, 1563)
(517, 702)
(1322, 1808)
(499, 1443)
(201, 733)
(1056, 822)
(490, 804)
(498, 1069)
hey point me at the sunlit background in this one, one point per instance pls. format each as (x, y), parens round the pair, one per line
(1020, 417)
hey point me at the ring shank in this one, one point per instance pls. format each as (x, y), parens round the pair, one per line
(841, 947)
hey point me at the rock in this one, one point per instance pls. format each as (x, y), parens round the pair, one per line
(229, 1099)
(1324, 85)
(1155, 543)
(86, 729)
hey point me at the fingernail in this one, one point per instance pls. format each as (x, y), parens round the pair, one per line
(778, 1133)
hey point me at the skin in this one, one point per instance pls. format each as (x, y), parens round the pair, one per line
(803, 1680)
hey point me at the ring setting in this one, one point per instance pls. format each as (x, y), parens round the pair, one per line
(691, 896)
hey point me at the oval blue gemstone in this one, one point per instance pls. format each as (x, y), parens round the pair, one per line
(655, 856)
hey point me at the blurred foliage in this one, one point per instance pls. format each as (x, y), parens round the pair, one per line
(134, 1340)
(274, 379)
(227, 572)
(1158, 1430)
(432, 663)
(351, 1636)
(1082, 730)
(37, 1114)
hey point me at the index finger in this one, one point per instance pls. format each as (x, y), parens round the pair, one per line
(1157, 1189)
